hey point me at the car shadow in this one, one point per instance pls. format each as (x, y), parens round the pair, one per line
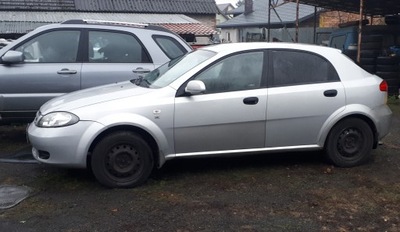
(184, 166)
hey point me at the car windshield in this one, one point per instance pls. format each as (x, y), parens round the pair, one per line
(170, 71)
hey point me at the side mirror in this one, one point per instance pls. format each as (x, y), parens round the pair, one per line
(195, 87)
(13, 57)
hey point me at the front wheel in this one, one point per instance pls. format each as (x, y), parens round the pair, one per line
(122, 159)
(350, 143)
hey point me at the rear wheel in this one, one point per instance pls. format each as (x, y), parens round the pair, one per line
(122, 159)
(349, 143)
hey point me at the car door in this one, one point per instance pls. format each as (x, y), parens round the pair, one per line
(304, 91)
(230, 115)
(114, 56)
(50, 68)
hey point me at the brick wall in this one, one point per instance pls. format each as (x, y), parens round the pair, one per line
(334, 18)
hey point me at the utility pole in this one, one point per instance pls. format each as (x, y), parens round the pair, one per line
(297, 21)
(269, 21)
(360, 26)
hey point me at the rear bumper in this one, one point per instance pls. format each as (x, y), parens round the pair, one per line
(383, 116)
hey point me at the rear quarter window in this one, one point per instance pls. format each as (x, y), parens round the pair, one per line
(298, 67)
(169, 46)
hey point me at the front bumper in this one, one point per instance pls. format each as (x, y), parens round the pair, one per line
(64, 146)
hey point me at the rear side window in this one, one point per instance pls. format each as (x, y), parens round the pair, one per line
(298, 67)
(169, 46)
(114, 47)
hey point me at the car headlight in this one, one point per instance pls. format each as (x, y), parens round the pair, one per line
(57, 119)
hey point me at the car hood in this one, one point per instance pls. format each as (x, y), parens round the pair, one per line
(92, 96)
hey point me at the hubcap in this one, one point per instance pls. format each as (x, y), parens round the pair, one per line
(123, 161)
(350, 142)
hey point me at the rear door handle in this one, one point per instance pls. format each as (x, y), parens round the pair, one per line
(250, 100)
(66, 71)
(330, 93)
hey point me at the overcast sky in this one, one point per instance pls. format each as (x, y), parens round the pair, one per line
(233, 2)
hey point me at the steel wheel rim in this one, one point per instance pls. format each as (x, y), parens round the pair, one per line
(123, 162)
(350, 143)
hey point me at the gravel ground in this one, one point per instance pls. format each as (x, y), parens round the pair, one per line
(275, 192)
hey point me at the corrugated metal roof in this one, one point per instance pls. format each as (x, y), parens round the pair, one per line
(259, 17)
(55, 17)
(133, 6)
(49, 5)
(371, 7)
(18, 27)
(22, 22)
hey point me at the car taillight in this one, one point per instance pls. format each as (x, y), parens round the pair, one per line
(383, 86)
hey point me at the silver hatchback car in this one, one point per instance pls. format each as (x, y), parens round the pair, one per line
(219, 100)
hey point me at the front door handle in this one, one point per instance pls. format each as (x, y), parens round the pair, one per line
(330, 93)
(250, 100)
(66, 71)
(141, 70)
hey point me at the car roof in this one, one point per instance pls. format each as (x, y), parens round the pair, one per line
(237, 47)
(87, 23)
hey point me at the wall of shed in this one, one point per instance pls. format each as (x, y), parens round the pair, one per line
(334, 18)
(256, 34)
(208, 20)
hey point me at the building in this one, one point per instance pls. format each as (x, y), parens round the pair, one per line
(253, 22)
(189, 18)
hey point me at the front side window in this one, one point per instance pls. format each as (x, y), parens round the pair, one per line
(170, 46)
(238, 72)
(52, 47)
(172, 70)
(296, 68)
(114, 47)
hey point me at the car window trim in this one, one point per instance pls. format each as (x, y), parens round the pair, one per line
(179, 45)
(181, 91)
(129, 33)
(78, 56)
(270, 76)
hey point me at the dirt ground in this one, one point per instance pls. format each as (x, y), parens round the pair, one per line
(274, 192)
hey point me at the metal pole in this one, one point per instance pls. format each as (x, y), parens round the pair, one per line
(297, 21)
(315, 25)
(360, 26)
(269, 21)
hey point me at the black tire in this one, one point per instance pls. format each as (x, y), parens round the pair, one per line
(369, 68)
(392, 20)
(371, 38)
(388, 75)
(393, 82)
(122, 159)
(369, 53)
(367, 61)
(349, 143)
(371, 46)
(387, 68)
(393, 86)
(393, 91)
(350, 53)
(387, 60)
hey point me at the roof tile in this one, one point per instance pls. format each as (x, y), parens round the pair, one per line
(132, 6)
